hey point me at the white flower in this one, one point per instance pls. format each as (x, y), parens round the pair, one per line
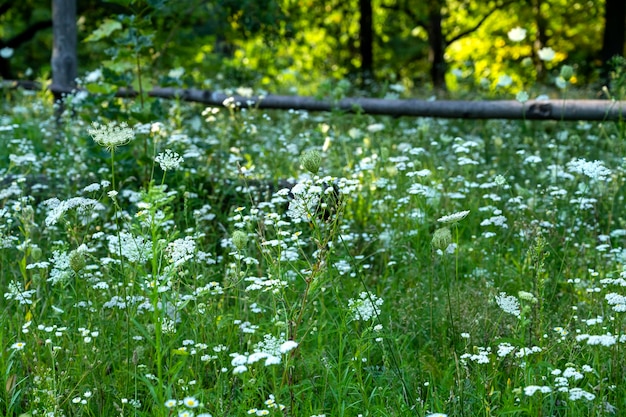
(504, 81)
(176, 72)
(546, 54)
(181, 250)
(522, 97)
(18, 345)
(578, 393)
(133, 248)
(454, 217)
(288, 345)
(112, 135)
(530, 390)
(6, 52)
(169, 160)
(508, 304)
(17, 293)
(517, 34)
(190, 402)
(93, 76)
(375, 127)
(592, 169)
(364, 308)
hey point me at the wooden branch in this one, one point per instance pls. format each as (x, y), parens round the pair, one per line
(452, 109)
(493, 109)
(479, 24)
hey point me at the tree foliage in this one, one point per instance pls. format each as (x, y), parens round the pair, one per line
(288, 44)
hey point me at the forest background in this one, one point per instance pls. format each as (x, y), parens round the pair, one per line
(307, 47)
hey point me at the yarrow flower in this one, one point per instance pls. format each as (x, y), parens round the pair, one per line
(169, 160)
(111, 135)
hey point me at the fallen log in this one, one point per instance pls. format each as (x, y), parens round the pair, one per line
(598, 110)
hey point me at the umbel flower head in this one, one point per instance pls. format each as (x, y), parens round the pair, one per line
(111, 135)
(310, 161)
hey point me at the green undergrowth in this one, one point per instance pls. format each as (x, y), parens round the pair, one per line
(202, 261)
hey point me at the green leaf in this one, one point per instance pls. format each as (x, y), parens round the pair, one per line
(105, 29)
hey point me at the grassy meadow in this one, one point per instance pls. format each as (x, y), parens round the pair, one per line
(191, 261)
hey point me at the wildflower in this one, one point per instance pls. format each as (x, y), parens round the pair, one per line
(517, 34)
(93, 76)
(526, 296)
(6, 52)
(112, 135)
(18, 346)
(530, 390)
(310, 161)
(365, 307)
(169, 160)
(522, 97)
(595, 170)
(375, 127)
(504, 349)
(546, 54)
(181, 250)
(17, 293)
(567, 72)
(578, 393)
(133, 248)
(504, 81)
(185, 413)
(239, 239)
(442, 238)
(508, 303)
(190, 402)
(453, 218)
(437, 415)
(288, 345)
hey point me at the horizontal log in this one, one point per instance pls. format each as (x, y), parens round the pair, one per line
(456, 109)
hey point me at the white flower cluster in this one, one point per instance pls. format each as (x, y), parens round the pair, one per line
(61, 271)
(365, 307)
(111, 135)
(59, 208)
(181, 250)
(509, 304)
(133, 248)
(17, 293)
(169, 160)
(592, 169)
(617, 301)
(269, 349)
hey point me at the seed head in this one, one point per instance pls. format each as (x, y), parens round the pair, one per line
(310, 161)
(240, 239)
(442, 238)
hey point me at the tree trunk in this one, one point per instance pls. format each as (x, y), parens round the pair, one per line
(366, 38)
(64, 58)
(614, 34)
(437, 47)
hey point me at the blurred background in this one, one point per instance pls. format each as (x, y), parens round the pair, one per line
(385, 47)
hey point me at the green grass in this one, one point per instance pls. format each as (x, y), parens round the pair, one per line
(182, 288)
